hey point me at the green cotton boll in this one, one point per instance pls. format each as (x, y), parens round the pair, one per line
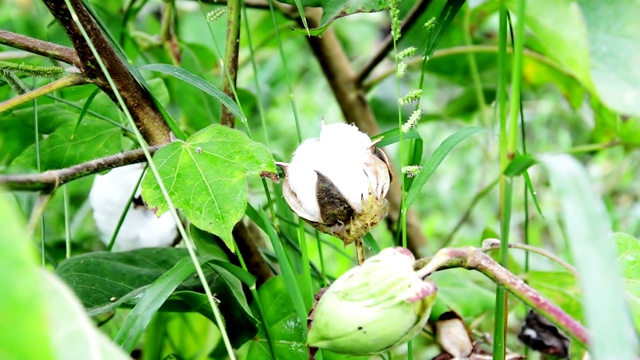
(373, 307)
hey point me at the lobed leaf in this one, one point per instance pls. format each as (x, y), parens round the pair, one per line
(205, 178)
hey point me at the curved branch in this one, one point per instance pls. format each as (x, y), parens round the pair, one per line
(51, 179)
(67, 81)
(40, 47)
(474, 259)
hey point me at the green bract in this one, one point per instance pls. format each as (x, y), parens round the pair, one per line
(373, 307)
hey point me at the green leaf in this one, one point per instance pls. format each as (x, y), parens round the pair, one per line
(629, 261)
(335, 9)
(105, 281)
(432, 163)
(588, 230)
(393, 136)
(62, 148)
(197, 82)
(205, 177)
(151, 301)
(74, 335)
(22, 303)
(614, 48)
(519, 165)
(561, 29)
(561, 288)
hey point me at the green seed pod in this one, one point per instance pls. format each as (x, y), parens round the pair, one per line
(373, 307)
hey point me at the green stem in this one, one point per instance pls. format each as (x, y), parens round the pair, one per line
(474, 259)
(499, 335)
(67, 227)
(123, 215)
(67, 81)
(475, 75)
(187, 240)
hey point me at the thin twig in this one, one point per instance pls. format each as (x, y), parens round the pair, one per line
(467, 49)
(67, 81)
(482, 193)
(387, 43)
(51, 179)
(474, 259)
(494, 244)
(359, 251)
(36, 214)
(44, 48)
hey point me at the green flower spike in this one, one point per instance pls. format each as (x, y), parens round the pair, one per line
(373, 307)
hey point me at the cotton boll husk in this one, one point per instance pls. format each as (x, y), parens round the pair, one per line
(140, 228)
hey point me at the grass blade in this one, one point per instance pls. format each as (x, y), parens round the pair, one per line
(432, 163)
(151, 301)
(197, 82)
(589, 232)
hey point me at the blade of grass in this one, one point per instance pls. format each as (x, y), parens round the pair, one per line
(589, 233)
(431, 164)
(83, 112)
(197, 82)
(187, 240)
(124, 212)
(151, 301)
(287, 271)
(67, 227)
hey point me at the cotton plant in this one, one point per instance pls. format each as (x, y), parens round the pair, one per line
(338, 183)
(141, 228)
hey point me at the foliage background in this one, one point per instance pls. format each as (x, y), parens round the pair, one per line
(580, 96)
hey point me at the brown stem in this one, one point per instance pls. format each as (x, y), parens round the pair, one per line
(44, 48)
(50, 180)
(247, 246)
(355, 108)
(230, 65)
(137, 99)
(387, 43)
(359, 251)
(474, 259)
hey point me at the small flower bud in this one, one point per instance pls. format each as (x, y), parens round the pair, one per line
(338, 182)
(373, 307)
(141, 228)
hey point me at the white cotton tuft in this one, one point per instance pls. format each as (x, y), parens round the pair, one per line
(141, 228)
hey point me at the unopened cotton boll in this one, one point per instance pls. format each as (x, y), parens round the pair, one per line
(372, 307)
(338, 182)
(140, 228)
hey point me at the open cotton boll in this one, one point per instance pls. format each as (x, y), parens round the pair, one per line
(140, 228)
(338, 182)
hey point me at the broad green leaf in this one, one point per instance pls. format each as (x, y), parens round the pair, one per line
(74, 335)
(63, 148)
(286, 330)
(588, 230)
(105, 281)
(22, 304)
(432, 163)
(629, 260)
(334, 9)
(39, 309)
(197, 82)
(614, 48)
(205, 177)
(561, 29)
